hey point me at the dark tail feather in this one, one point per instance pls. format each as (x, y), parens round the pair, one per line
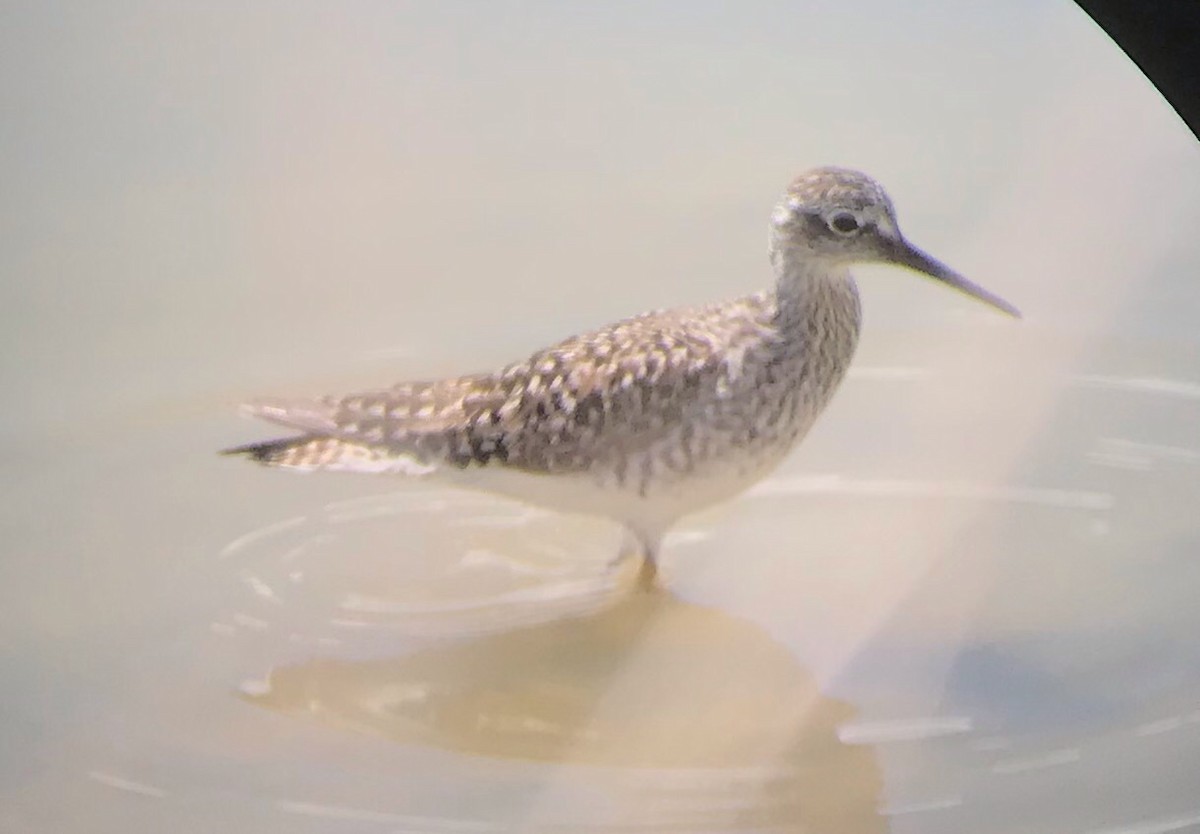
(269, 451)
(309, 452)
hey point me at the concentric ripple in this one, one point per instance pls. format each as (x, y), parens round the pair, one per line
(418, 564)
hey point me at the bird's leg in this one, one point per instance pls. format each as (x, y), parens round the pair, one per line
(647, 577)
(644, 548)
(631, 548)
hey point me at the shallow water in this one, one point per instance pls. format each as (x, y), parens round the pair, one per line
(967, 603)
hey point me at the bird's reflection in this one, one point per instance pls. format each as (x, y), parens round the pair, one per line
(712, 718)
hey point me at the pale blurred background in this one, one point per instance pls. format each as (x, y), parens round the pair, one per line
(967, 603)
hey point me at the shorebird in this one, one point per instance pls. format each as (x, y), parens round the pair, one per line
(653, 417)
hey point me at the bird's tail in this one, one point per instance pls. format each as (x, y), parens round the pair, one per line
(311, 453)
(306, 453)
(346, 436)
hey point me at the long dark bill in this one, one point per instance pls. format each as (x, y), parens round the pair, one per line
(904, 253)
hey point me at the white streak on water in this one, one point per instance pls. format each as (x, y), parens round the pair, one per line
(1141, 385)
(923, 807)
(261, 588)
(242, 542)
(484, 558)
(411, 823)
(840, 485)
(1165, 725)
(127, 785)
(570, 591)
(345, 623)
(246, 621)
(1057, 758)
(1141, 455)
(912, 729)
(298, 550)
(1160, 826)
(1120, 460)
(255, 688)
(685, 537)
(990, 743)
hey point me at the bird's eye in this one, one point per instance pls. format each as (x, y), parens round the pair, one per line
(844, 223)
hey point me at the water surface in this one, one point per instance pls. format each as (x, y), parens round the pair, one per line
(967, 603)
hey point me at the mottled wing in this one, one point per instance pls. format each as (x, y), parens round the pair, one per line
(612, 391)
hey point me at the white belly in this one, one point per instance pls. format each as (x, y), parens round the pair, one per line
(667, 495)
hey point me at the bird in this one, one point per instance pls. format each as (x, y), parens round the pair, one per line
(650, 418)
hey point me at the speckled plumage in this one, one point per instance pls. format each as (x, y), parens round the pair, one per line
(649, 418)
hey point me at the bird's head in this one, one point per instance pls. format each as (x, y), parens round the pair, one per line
(840, 216)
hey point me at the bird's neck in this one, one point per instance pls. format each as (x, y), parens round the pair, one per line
(809, 291)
